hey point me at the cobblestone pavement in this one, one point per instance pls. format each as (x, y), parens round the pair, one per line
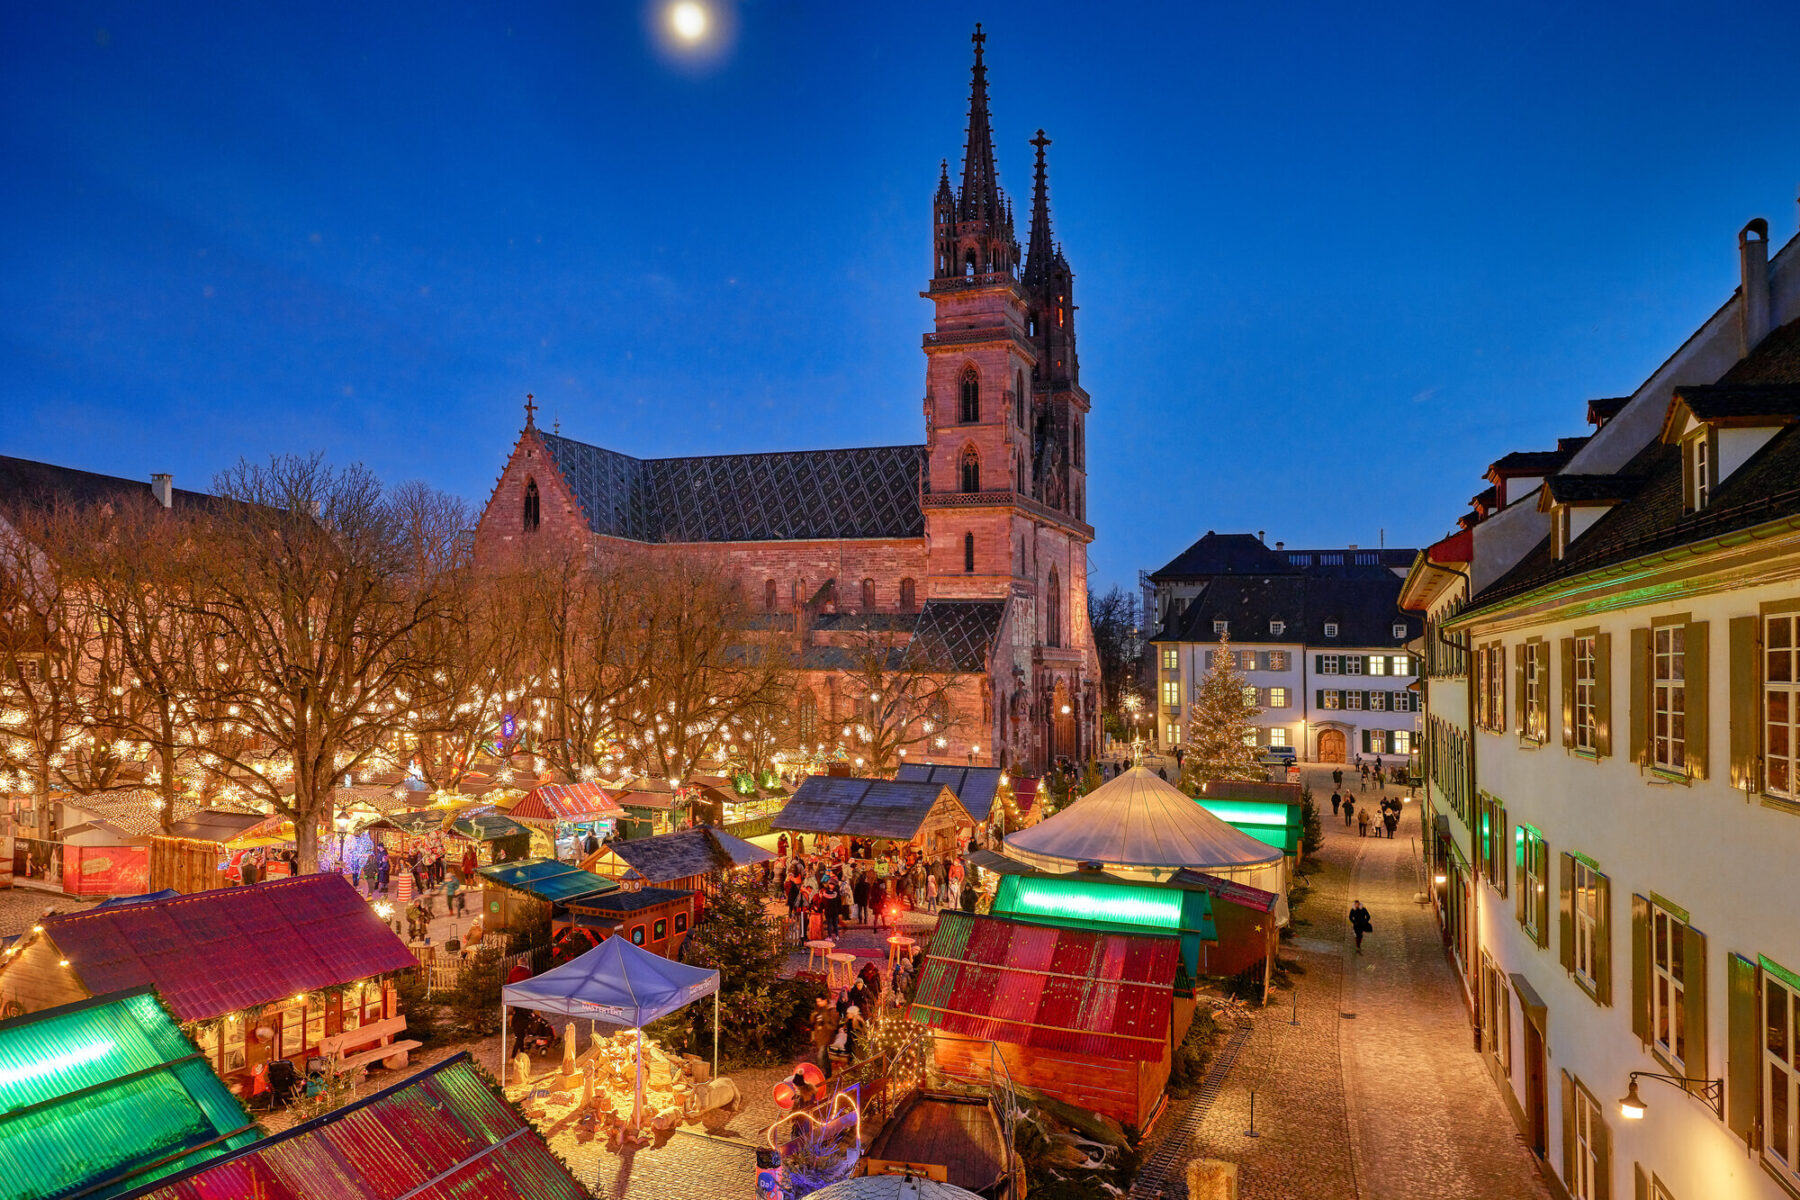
(20, 907)
(1376, 1093)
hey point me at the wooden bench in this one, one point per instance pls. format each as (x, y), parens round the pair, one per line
(337, 1049)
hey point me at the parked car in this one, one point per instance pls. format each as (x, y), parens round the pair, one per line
(1278, 756)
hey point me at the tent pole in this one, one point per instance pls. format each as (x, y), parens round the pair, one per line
(715, 1073)
(503, 1044)
(637, 1098)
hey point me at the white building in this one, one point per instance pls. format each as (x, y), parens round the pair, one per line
(1613, 741)
(1318, 635)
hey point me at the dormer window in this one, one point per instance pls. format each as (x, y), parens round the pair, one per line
(1699, 468)
(1277, 628)
(1220, 627)
(1400, 632)
(1721, 427)
(1331, 629)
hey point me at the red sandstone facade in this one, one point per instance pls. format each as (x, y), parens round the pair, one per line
(983, 527)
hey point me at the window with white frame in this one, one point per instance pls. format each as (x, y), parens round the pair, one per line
(1584, 692)
(1669, 698)
(1378, 664)
(1278, 697)
(1331, 664)
(1781, 705)
(1378, 701)
(1171, 693)
(1331, 629)
(1249, 737)
(1378, 741)
(1399, 631)
(1277, 628)
(1668, 986)
(1219, 627)
(1246, 660)
(1585, 903)
(1171, 658)
(1535, 861)
(1490, 687)
(1174, 734)
(1278, 660)
(1403, 741)
(1353, 664)
(1583, 1175)
(1537, 684)
(1405, 702)
(1249, 696)
(1353, 700)
(1278, 736)
(1781, 1076)
(1331, 699)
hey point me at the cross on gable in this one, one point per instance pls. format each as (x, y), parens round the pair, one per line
(979, 36)
(530, 410)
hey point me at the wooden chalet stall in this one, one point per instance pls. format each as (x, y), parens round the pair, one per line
(656, 918)
(1087, 1017)
(515, 894)
(283, 970)
(563, 814)
(926, 814)
(190, 855)
(682, 860)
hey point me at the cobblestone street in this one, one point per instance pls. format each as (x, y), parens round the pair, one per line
(1376, 1093)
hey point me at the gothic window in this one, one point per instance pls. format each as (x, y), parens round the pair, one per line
(768, 595)
(971, 470)
(829, 600)
(971, 397)
(969, 263)
(531, 506)
(1053, 611)
(1080, 449)
(969, 553)
(908, 595)
(1020, 480)
(807, 717)
(868, 595)
(1019, 400)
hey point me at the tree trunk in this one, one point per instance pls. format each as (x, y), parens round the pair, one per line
(307, 799)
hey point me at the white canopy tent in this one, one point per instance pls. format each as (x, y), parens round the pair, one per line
(621, 984)
(1142, 827)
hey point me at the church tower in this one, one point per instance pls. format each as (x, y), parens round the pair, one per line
(1005, 490)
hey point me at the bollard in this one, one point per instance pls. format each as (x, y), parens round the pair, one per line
(1251, 1132)
(1295, 1018)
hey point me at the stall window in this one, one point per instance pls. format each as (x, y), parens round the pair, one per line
(637, 935)
(315, 1024)
(661, 931)
(351, 1017)
(234, 1032)
(680, 922)
(289, 1032)
(206, 1037)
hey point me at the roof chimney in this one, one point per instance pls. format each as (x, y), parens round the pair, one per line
(1279, 545)
(163, 488)
(1260, 536)
(1753, 292)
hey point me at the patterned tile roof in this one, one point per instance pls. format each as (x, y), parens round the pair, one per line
(441, 1135)
(864, 492)
(219, 952)
(1074, 990)
(974, 786)
(882, 808)
(957, 634)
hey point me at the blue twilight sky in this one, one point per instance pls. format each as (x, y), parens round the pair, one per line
(1331, 260)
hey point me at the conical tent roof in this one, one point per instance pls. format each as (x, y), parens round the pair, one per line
(1138, 820)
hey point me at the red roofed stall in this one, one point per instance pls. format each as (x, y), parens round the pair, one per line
(308, 953)
(1088, 1017)
(567, 812)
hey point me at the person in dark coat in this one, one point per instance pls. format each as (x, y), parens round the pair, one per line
(860, 894)
(1359, 922)
(1349, 810)
(1337, 802)
(381, 869)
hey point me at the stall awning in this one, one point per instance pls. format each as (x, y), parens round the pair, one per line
(615, 982)
(488, 827)
(566, 802)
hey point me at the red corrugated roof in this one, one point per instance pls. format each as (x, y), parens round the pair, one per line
(442, 1135)
(1073, 990)
(566, 802)
(219, 952)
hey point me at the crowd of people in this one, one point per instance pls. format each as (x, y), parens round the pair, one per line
(850, 881)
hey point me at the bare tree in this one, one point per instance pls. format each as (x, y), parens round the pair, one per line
(904, 697)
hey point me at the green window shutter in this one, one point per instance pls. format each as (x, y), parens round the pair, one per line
(1603, 940)
(1640, 697)
(1743, 1051)
(1693, 1003)
(1543, 897)
(1565, 910)
(1568, 1129)
(1521, 847)
(1320, 702)
(1319, 664)
(1640, 968)
(1365, 696)
(1365, 741)
(1603, 695)
(1697, 678)
(1742, 655)
(1519, 685)
(1568, 691)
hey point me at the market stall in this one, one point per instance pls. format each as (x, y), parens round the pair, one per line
(656, 918)
(521, 890)
(566, 815)
(650, 807)
(685, 859)
(189, 855)
(619, 984)
(496, 838)
(924, 814)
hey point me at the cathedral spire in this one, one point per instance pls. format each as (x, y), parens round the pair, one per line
(1040, 251)
(980, 199)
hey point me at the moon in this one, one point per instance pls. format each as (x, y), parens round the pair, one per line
(689, 20)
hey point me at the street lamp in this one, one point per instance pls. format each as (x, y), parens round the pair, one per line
(1632, 1107)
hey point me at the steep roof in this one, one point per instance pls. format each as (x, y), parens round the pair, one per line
(863, 492)
(219, 952)
(1077, 991)
(103, 1096)
(565, 802)
(882, 808)
(1224, 554)
(687, 852)
(443, 1134)
(1362, 606)
(958, 634)
(974, 786)
(26, 483)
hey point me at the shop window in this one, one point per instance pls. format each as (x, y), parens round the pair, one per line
(637, 935)
(680, 922)
(660, 930)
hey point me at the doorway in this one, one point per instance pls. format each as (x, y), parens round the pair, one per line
(1537, 1117)
(1331, 745)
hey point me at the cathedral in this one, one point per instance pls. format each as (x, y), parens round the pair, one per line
(974, 543)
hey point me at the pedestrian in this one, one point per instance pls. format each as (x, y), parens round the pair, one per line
(877, 902)
(824, 1031)
(454, 899)
(1349, 810)
(1378, 764)
(381, 869)
(1337, 777)
(859, 892)
(1362, 823)
(1359, 921)
(931, 892)
(1392, 821)
(368, 874)
(1337, 802)
(469, 863)
(1362, 780)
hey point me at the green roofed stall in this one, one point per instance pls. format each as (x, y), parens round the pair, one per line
(1115, 907)
(102, 1097)
(1271, 822)
(538, 879)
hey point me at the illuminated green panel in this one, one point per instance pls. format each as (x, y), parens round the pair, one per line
(1098, 902)
(1249, 812)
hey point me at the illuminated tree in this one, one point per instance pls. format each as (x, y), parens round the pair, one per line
(1221, 739)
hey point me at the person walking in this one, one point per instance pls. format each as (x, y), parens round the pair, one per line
(1359, 922)
(1392, 821)
(1362, 777)
(859, 892)
(1362, 823)
(1337, 778)
(1337, 802)
(1349, 810)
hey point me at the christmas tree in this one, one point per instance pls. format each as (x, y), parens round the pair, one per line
(1221, 739)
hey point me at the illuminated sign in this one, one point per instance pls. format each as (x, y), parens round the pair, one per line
(1098, 902)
